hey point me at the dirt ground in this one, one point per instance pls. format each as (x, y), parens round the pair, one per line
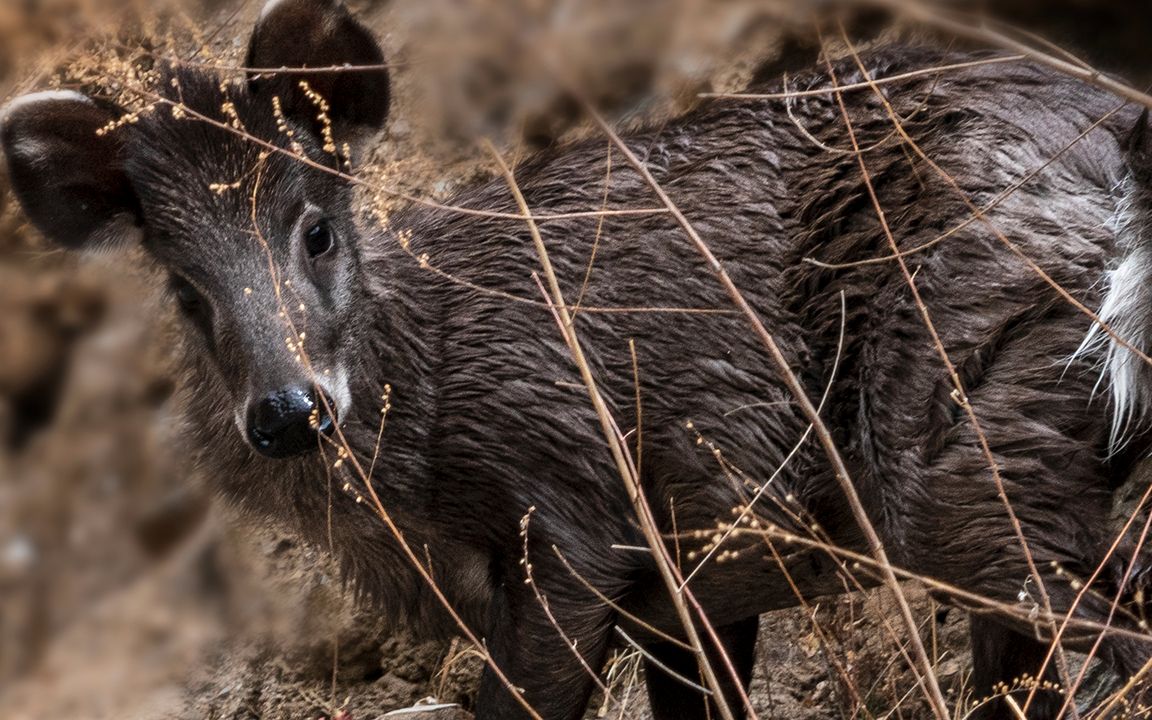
(125, 592)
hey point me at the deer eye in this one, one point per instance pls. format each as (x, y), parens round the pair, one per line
(187, 295)
(318, 239)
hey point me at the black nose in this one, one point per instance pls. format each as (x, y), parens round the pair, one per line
(286, 422)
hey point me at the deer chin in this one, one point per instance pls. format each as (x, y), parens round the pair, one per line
(338, 389)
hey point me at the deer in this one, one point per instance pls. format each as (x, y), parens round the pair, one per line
(1017, 197)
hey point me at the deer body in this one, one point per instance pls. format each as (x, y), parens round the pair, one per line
(492, 454)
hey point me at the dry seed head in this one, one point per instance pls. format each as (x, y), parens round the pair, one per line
(127, 119)
(221, 188)
(322, 116)
(281, 120)
(404, 237)
(229, 109)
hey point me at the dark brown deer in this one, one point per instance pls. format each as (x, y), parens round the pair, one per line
(299, 321)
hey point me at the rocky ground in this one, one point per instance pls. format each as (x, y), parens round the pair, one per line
(125, 592)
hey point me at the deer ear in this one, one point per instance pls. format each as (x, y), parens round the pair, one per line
(1139, 148)
(65, 172)
(320, 34)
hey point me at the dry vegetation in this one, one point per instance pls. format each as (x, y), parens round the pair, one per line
(125, 593)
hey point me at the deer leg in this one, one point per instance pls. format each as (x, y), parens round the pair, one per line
(1002, 655)
(551, 655)
(671, 699)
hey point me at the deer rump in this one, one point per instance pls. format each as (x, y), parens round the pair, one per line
(1011, 179)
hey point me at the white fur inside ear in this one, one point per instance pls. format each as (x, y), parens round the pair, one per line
(122, 231)
(269, 7)
(42, 97)
(1127, 310)
(31, 148)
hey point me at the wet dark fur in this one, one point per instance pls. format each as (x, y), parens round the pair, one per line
(487, 421)
(488, 418)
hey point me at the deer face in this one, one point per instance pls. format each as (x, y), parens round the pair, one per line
(237, 191)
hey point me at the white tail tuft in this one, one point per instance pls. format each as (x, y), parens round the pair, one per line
(1127, 310)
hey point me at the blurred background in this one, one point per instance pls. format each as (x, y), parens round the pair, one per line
(126, 592)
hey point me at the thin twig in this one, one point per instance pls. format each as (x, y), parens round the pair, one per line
(617, 607)
(614, 438)
(820, 92)
(960, 394)
(794, 385)
(542, 601)
(927, 14)
(158, 100)
(747, 510)
(667, 670)
(974, 218)
(977, 602)
(342, 442)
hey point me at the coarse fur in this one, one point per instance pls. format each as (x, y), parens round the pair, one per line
(488, 422)
(1128, 298)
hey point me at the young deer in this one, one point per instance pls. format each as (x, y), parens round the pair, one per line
(299, 321)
